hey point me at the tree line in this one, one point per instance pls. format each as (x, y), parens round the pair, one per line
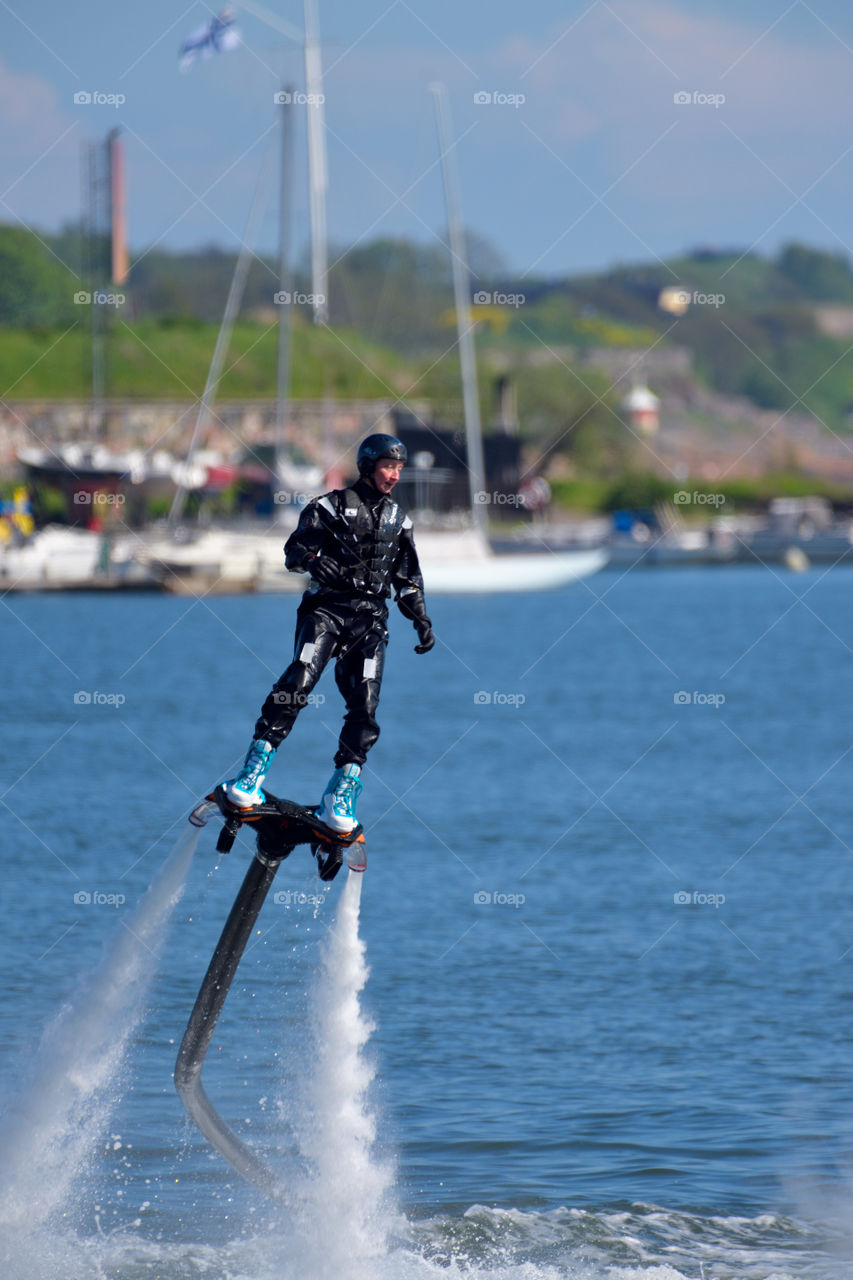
(764, 341)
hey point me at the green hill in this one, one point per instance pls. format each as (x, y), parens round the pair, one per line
(753, 324)
(753, 327)
(169, 360)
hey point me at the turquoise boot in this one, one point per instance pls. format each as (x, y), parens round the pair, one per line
(245, 790)
(340, 798)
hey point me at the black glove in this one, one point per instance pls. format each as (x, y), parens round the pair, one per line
(324, 570)
(423, 626)
(412, 607)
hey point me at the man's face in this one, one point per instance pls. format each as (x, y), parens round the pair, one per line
(386, 474)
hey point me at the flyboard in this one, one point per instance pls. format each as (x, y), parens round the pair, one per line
(280, 825)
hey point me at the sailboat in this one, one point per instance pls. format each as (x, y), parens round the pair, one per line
(466, 563)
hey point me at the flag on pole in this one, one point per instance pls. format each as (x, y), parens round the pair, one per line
(216, 36)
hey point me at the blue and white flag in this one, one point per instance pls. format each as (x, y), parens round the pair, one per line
(216, 36)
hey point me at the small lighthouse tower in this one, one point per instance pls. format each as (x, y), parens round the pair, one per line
(642, 410)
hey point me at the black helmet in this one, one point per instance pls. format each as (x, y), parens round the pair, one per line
(374, 447)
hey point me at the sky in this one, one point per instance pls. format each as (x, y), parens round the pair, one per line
(617, 131)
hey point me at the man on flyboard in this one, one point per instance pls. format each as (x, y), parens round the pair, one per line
(356, 544)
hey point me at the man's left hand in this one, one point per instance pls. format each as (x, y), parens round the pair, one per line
(425, 636)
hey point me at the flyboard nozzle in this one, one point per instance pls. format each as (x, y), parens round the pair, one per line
(203, 812)
(357, 855)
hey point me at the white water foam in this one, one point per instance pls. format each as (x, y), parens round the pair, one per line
(482, 1244)
(50, 1130)
(345, 1227)
(347, 1214)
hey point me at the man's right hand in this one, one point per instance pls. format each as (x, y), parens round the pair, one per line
(324, 570)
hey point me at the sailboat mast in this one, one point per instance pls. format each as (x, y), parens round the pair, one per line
(464, 322)
(317, 171)
(232, 306)
(282, 398)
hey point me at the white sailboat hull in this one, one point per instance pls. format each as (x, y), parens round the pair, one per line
(453, 563)
(534, 571)
(464, 564)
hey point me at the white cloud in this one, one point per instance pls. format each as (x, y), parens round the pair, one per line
(39, 150)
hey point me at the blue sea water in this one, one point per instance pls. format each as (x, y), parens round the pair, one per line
(608, 916)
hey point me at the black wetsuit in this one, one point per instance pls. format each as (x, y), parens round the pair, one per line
(357, 545)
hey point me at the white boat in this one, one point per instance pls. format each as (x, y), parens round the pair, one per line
(91, 463)
(219, 562)
(54, 557)
(463, 563)
(59, 558)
